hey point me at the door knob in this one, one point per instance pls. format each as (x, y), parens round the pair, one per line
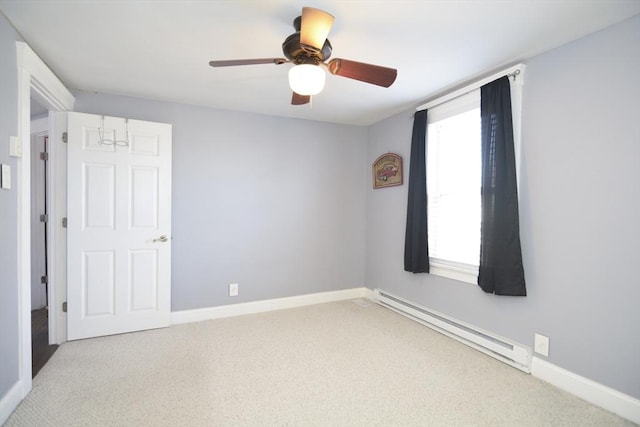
(162, 238)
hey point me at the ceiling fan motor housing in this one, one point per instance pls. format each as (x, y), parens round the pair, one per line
(293, 49)
(309, 49)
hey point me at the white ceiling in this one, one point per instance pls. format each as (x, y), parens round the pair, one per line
(160, 49)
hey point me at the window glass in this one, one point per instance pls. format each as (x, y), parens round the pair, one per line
(454, 184)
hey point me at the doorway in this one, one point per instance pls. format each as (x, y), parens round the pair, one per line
(37, 81)
(41, 351)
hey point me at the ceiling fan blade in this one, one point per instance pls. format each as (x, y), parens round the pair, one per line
(368, 73)
(234, 62)
(314, 28)
(297, 99)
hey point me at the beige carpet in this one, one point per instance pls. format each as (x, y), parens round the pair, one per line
(337, 364)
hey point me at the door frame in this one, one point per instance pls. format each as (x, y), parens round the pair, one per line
(39, 128)
(37, 80)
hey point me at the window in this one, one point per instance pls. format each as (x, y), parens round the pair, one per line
(454, 175)
(453, 187)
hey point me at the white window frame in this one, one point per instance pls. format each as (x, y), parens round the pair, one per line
(463, 272)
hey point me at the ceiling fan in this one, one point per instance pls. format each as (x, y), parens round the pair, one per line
(308, 49)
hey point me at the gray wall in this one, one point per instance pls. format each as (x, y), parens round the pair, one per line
(579, 213)
(273, 204)
(9, 351)
(284, 207)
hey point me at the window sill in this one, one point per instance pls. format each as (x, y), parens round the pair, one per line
(460, 272)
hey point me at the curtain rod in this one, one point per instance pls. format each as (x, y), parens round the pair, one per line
(514, 72)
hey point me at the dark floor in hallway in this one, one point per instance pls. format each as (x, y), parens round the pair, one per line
(41, 351)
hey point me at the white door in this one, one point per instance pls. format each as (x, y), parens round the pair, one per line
(38, 222)
(119, 225)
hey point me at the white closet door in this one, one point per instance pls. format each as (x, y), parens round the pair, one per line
(119, 225)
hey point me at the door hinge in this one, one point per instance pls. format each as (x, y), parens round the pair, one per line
(44, 279)
(44, 218)
(44, 156)
(64, 222)
(65, 137)
(64, 307)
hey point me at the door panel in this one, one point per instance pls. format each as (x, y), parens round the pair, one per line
(144, 279)
(144, 197)
(119, 204)
(99, 205)
(98, 283)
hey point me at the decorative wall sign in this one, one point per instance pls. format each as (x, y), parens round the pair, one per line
(387, 171)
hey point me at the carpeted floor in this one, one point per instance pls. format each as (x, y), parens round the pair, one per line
(336, 364)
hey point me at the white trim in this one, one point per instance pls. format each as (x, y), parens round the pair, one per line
(40, 126)
(57, 236)
(10, 402)
(607, 398)
(34, 78)
(369, 294)
(47, 88)
(209, 313)
(462, 104)
(473, 86)
(24, 229)
(450, 271)
(516, 117)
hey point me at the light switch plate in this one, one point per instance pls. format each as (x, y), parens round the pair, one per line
(15, 146)
(5, 177)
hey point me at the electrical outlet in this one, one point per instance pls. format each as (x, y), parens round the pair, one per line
(233, 289)
(541, 345)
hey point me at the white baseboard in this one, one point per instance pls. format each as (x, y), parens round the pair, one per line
(607, 398)
(198, 315)
(369, 294)
(10, 401)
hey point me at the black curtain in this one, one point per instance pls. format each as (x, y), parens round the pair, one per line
(501, 270)
(416, 251)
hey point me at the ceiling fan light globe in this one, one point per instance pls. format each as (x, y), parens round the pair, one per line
(307, 79)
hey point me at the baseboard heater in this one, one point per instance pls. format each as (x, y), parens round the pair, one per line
(507, 351)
